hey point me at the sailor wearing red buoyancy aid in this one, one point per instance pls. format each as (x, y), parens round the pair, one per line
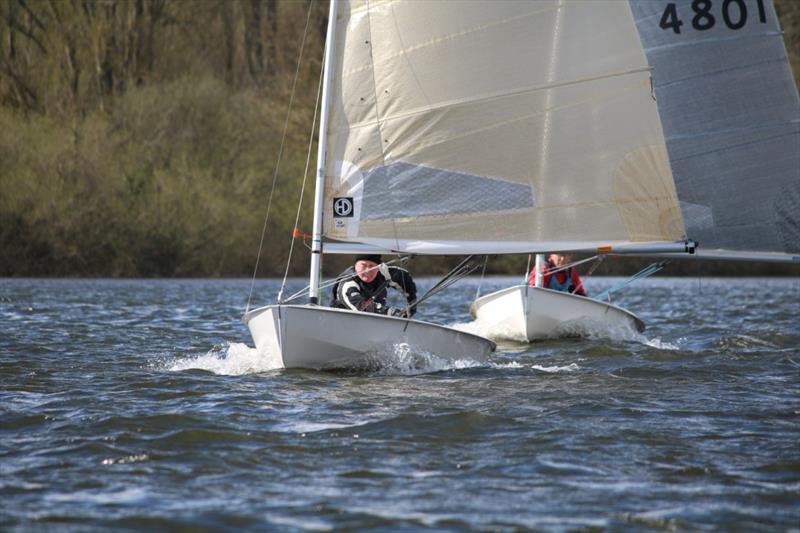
(563, 280)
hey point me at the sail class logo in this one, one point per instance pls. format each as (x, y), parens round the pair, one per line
(343, 206)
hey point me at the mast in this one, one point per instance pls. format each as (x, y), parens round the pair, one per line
(538, 268)
(319, 189)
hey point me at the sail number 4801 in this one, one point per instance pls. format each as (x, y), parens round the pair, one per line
(733, 12)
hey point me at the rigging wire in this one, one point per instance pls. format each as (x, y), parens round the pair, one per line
(303, 188)
(463, 269)
(528, 269)
(570, 265)
(280, 153)
(600, 259)
(483, 273)
(645, 272)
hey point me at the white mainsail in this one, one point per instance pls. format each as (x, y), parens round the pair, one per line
(439, 115)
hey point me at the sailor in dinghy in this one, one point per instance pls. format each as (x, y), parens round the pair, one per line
(363, 287)
(558, 276)
(550, 307)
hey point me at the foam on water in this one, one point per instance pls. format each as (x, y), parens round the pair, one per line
(554, 369)
(503, 366)
(395, 359)
(118, 497)
(404, 359)
(659, 344)
(127, 459)
(234, 360)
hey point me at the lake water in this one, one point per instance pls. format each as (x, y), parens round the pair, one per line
(141, 404)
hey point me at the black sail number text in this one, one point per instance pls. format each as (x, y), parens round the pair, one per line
(705, 14)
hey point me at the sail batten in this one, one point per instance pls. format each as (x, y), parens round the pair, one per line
(741, 130)
(488, 98)
(732, 38)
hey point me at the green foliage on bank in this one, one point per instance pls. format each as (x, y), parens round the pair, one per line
(170, 182)
(140, 138)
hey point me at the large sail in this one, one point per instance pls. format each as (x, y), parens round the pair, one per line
(500, 126)
(731, 117)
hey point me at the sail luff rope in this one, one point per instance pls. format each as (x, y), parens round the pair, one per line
(303, 187)
(280, 153)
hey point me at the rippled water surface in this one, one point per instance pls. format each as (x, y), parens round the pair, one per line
(141, 404)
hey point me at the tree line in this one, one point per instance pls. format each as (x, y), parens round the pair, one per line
(139, 137)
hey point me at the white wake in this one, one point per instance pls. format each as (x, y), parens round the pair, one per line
(234, 360)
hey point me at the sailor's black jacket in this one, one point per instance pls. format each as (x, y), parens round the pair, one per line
(353, 293)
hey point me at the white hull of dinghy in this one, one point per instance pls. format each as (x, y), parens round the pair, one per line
(533, 313)
(316, 337)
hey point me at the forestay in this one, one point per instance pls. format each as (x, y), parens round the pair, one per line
(731, 116)
(495, 127)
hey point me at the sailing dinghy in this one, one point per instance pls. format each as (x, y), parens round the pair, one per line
(310, 336)
(721, 129)
(355, 180)
(526, 313)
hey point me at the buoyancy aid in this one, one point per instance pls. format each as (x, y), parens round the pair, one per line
(553, 282)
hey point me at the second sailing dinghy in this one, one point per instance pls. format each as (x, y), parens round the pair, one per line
(528, 313)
